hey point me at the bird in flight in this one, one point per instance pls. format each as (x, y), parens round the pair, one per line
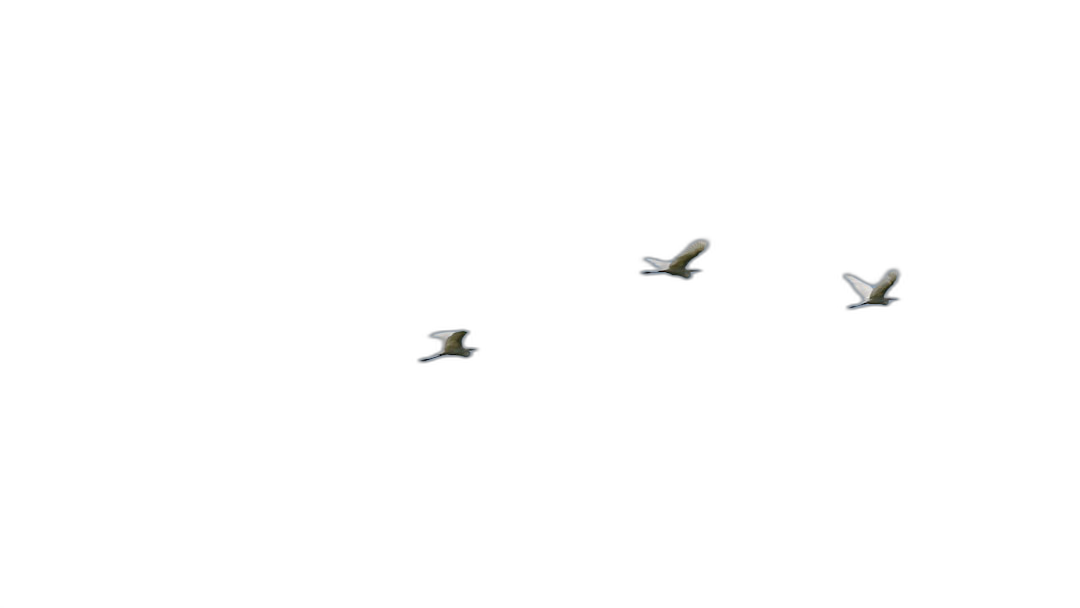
(873, 294)
(677, 266)
(451, 345)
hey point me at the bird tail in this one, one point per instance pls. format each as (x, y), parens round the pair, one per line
(431, 357)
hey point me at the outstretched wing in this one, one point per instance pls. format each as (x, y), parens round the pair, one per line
(884, 284)
(454, 341)
(692, 251)
(860, 286)
(658, 263)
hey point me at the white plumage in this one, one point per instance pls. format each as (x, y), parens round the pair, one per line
(861, 287)
(873, 294)
(677, 265)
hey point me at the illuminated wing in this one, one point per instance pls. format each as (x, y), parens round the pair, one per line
(884, 284)
(658, 263)
(860, 286)
(692, 251)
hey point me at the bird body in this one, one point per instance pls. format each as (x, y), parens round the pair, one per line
(451, 345)
(677, 266)
(873, 294)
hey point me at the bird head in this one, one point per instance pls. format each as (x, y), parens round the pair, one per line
(471, 351)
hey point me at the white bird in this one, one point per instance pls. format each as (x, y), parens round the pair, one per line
(677, 266)
(451, 345)
(873, 294)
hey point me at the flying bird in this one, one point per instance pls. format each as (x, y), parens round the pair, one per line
(677, 266)
(451, 345)
(873, 294)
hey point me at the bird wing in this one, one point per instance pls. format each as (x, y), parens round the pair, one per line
(658, 263)
(454, 341)
(442, 335)
(884, 284)
(692, 251)
(860, 286)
